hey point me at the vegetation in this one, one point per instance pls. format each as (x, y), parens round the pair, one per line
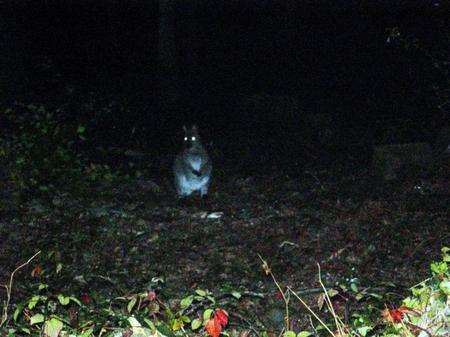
(94, 250)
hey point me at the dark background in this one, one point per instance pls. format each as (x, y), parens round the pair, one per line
(250, 73)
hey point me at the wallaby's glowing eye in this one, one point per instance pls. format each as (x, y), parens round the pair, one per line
(185, 138)
(193, 138)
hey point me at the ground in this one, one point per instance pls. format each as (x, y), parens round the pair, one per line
(118, 236)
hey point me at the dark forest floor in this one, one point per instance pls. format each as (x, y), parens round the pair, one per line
(118, 236)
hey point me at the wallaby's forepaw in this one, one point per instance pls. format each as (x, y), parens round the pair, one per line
(197, 173)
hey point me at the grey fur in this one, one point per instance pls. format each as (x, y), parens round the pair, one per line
(192, 167)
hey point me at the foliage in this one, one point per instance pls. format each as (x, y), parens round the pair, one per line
(40, 150)
(425, 313)
(55, 313)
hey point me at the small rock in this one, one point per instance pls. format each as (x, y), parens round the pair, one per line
(215, 215)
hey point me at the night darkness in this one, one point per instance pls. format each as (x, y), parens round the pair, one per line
(239, 68)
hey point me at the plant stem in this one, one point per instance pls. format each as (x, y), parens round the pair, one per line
(9, 288)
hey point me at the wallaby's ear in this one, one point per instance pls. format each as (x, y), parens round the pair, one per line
(184, 129)
(194, 128)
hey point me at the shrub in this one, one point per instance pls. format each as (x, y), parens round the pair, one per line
(38, 150)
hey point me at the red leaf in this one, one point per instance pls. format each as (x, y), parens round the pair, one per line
(221, 316)
(213, 327)
(85, 298)
(396, 315)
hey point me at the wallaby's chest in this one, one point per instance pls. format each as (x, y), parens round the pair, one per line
(195, 160)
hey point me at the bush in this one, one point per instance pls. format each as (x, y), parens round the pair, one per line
(38, 150)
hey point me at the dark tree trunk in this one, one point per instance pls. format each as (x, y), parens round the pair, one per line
(168, 62)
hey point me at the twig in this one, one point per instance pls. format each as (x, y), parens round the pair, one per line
(9, 288)
(337, 321)
(312, 325)
(283, 294)
(312, 312)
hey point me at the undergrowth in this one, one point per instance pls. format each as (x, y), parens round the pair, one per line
(51, 312)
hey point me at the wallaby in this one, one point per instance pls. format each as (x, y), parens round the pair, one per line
(192, 167)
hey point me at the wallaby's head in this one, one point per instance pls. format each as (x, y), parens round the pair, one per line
(191, 137)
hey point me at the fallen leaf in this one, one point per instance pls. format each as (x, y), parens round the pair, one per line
(395, 315)
(213, 328)
(221, 316)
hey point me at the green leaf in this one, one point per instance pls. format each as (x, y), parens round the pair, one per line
(76, 300)
(364, 330)
(207, 314)
(81, 129)
(354, 287)
(26, 330)
(150, 324)
(201, 292)
(42, 286)
(236, 294)
(63, 299)
(413, 303)
(53, 327)
(133, 321)
(37, 318)
(289, 333)
(445, 287)
(43, 188)
(131, 304)
(18, 311)
(196, 323)
(34, 300)
(304, 334)
(332, 292)
(445, 254)
(439, 267)
(187, 301)
(58, 268)
(185, 319)
(377, 296)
